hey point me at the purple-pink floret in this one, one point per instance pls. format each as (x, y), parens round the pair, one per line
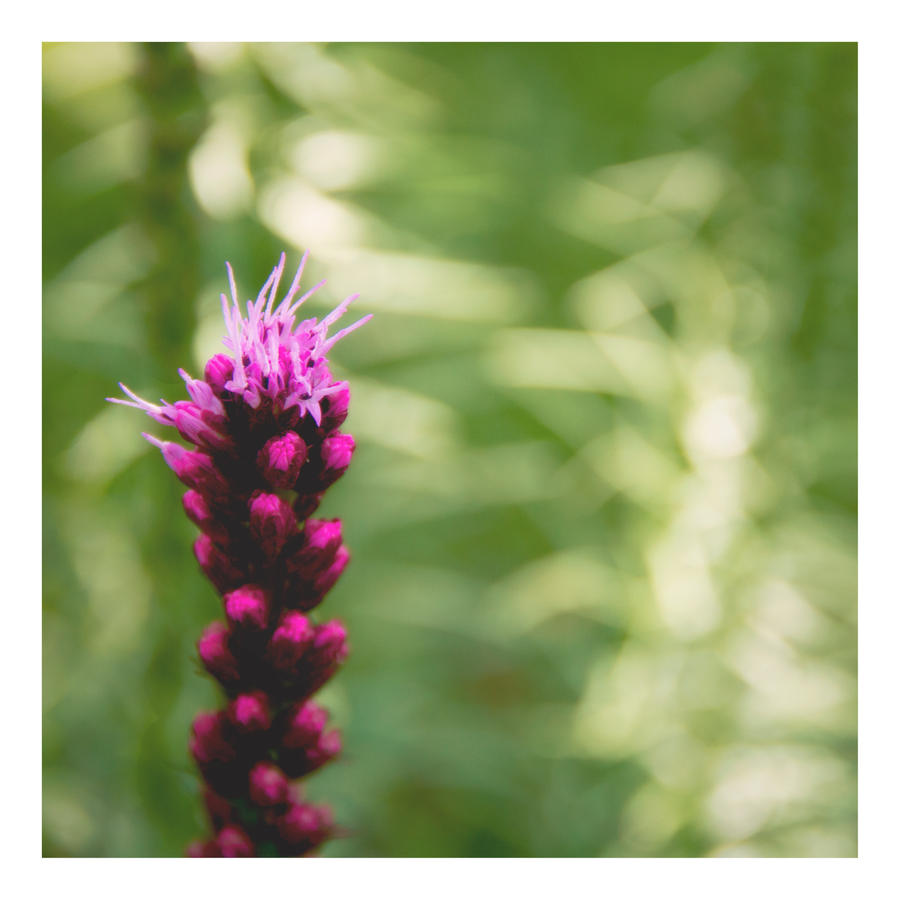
(264, 424)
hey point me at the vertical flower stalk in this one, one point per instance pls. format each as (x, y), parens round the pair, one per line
(264, 424)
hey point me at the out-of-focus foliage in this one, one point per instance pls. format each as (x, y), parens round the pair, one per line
(603, 509)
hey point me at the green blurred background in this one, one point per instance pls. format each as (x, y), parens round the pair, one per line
(603, 508)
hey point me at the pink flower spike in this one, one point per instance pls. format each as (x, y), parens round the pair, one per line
(262, 446)
(260, 344)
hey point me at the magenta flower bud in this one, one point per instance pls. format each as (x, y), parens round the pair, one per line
(215, 654)
(272, 522)
(303, 827)
(326, 581)
(326, 749)
(199, 513)
(321, 537)
(330, 643)
(329, 745)
(247, 607)
(249, 713)
(209, 740)
(199, 426)
(313, 568)
(321, 661)
(337, 452)
(321, 540)
(233, 841)
(195, 469)
(268, 785)
(305, 726)
(336, 408)
(290, 640)
(218, 371)
(216, 564)
(281, 459)
(320, 750)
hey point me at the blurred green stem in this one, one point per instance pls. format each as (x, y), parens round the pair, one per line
(175, 118)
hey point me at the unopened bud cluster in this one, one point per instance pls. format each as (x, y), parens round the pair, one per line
(265, 426)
